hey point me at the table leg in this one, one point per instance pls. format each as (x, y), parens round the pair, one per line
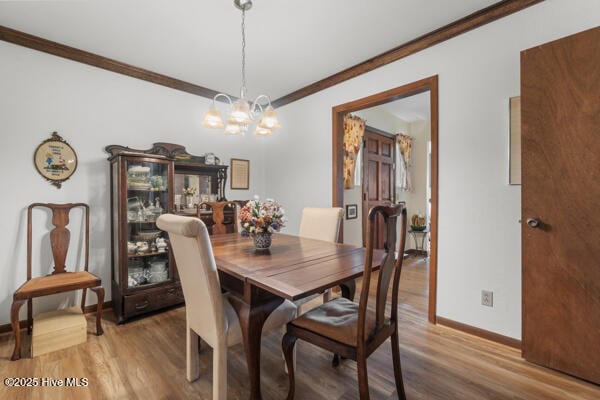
(348, 289)
(423, 237)
(414, 236)
(14, 320)
(252, 319)
(29, 316)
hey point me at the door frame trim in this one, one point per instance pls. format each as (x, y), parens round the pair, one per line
(427, 84)
(380, 132)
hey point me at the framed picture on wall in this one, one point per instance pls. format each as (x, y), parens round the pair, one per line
(240, 174)
(351, 211)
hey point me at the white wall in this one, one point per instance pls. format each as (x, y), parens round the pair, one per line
(379, 118)
(416, 198)
(479, 236)
(90, 108)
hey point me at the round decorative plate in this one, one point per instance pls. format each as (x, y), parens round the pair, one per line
(55, 160)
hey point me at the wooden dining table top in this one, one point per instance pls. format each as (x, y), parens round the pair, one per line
(294, 267)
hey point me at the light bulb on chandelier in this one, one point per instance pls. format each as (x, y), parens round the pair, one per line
(241, 113)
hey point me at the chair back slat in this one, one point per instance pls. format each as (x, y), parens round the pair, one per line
(386, 271)
(390, 266)
(218, 215)
(60, 237)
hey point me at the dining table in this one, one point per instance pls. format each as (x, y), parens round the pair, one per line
(292, 268)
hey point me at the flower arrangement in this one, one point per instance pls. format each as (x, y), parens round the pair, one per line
(189, 191)
(257, 216)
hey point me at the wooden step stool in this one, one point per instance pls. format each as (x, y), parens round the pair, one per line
(56, 330)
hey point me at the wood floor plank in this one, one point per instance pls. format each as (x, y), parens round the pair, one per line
(145, 360)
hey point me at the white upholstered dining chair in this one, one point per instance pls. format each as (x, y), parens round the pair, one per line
(209, 313)
(321, 224)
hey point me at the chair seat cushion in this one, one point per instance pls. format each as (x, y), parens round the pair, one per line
(56, 283)
(336, 319)
(304, 300)
(277, 319)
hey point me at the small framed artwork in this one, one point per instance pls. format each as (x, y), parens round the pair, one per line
(351, 211)
(240, 174)
(515, 142)
(55, 160)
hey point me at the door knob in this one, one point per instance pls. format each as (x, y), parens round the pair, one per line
(533, 222)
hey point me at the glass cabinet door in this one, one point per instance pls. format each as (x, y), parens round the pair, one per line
(147, 198)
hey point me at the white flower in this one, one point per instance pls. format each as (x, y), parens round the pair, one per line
(256, 197)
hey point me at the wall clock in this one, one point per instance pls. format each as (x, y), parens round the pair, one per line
(55, 160)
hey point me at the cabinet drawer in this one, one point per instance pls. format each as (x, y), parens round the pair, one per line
(170, 296)
(152, 299)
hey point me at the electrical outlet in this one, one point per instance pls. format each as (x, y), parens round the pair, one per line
(487, 298)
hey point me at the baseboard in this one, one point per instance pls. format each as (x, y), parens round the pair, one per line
(482, 333)
(415, 252)
(87, 309)
(93, 307)
(8, 327)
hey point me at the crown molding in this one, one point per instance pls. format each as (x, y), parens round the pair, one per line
(72, 53)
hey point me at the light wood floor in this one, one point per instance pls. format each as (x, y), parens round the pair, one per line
(145, 360)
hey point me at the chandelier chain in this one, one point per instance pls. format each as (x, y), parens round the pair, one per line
(243, 89)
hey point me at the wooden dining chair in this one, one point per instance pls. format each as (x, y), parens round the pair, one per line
(209, 314)
(355, 330)
(218, 215)
(60, 280)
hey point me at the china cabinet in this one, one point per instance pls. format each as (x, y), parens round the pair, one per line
(144, 185)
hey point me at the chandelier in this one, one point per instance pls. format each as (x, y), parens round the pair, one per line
(241, 113)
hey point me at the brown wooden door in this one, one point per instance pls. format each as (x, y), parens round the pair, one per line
(378, 178)
(560, 94)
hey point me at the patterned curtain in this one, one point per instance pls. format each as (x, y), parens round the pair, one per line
(354, 129)
(403, 177)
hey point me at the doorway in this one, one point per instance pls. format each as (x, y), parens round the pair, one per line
(338, 112)
(377, 178)
(560, 231)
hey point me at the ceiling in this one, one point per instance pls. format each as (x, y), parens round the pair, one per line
(289, 44)
(410, 109)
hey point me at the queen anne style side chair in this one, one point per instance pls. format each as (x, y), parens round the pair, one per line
(209, 314)
(218, 215)
(355, 330)
(60, 280)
